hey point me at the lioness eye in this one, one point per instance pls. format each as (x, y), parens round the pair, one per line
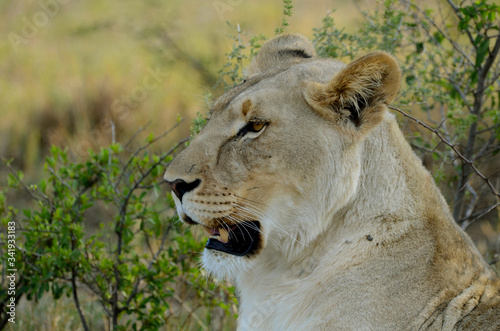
(252, 127)
(256, 127)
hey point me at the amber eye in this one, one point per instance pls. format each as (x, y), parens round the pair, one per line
(253, 127)
(256, 127)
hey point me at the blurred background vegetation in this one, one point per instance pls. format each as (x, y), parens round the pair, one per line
(112, 76)
(58, 85)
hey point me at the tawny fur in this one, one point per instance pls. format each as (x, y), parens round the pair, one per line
(356, 235)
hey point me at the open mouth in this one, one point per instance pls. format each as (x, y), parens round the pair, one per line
(242, 239)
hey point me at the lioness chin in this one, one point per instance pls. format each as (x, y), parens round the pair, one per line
(317, 208)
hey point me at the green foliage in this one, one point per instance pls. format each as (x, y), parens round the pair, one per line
(381, 30)
(107, 225)
(198, 123)
(287, 11)
(232, 73)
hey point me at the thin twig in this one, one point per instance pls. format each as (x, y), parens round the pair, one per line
(473, 218)
(142, 128)
(450, 39)
(365, 15)
(472, 203)
(493, 80)
(457, 12)
(446, 142)
(113, 135)
(140, 180)
(153, 260)
(34, 194)
(191, 312)
(140, 149)
(77, 301)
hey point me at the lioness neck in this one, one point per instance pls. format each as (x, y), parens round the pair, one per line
(396, 208)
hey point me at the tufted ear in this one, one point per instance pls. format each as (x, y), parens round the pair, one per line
(358, 93)
(281, 50)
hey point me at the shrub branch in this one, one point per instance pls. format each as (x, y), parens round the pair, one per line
(492, 188)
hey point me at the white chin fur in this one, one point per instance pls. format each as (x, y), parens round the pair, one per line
(224, 266)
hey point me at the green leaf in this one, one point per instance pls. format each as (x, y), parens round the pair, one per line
(27, 213)
(12, 181)
(481, 51)
(419, 47)
(150, 138)
(439, 37)
(410, 79)
(463, 25)
(43, 186)
(50, 161)
(104, 157)
(116, 148)
(75, 255)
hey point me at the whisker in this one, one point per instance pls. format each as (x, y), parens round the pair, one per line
(250, 200)
(243, 205)
(238, 225)
(253, 210)
(250, 214)
(241, 225)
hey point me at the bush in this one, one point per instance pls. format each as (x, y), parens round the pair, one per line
(131, 258)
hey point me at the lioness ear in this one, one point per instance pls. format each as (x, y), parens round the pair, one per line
(282, 50)
(358, 92)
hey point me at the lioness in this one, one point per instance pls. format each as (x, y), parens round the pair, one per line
(317, 208)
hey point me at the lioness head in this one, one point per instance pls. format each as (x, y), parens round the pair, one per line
(280, 153)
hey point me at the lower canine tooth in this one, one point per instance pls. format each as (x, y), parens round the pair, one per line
(224, 235)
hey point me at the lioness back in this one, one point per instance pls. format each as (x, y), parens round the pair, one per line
(318, 210)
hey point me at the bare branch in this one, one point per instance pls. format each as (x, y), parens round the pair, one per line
(142, 128)
(473, 218)
(153, 260)
(191, 312)
(77, 301)
(491, 58)
(493, 80)
(182, 55)
(34, 194)
(140, 149)
(472, 203)
(450, 39)
(365, 15)
(486, 146)
(457, 152)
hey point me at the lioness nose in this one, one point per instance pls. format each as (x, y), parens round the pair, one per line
(180, 187)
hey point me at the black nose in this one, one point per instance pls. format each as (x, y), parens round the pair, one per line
(179, 187)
